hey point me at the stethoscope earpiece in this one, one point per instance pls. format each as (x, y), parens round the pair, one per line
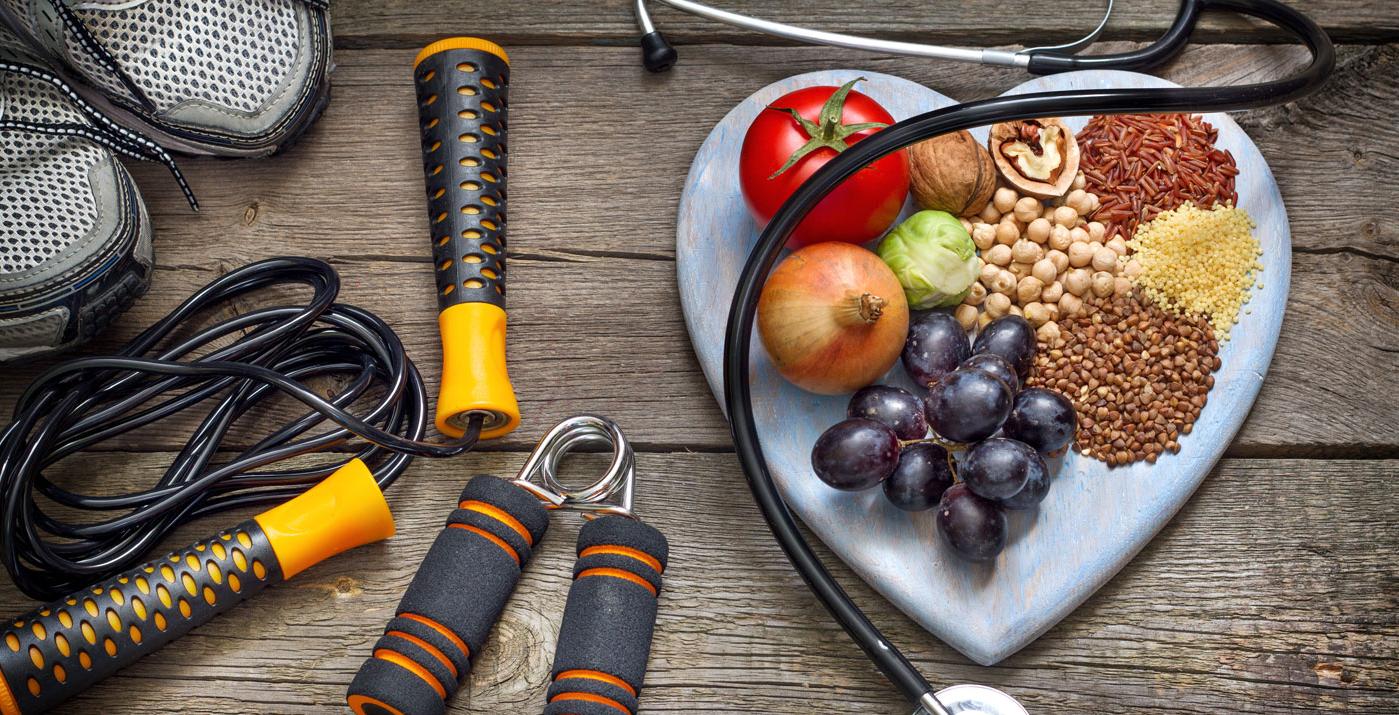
(657, 54)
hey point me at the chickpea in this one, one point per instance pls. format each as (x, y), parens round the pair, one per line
(1078, 234)
(989, 273)
(1036, 313)
(1070, 305)
(1004, 199)
(989, 214)
(983, 235)
(1121, 286)
(1028, 290)
(1075, 200)
(1066, 216)
(1103, 284)
(1060, 238)
(1090, 204)
(1080, 181)
(1048, 213)
(1080, 254)
(1052, 292)
(1078, 281)
(1105, 260)
(1025, 251)
(1049, 333)
(1004, 283)
(1038, 230)
(1020, 270)
(999, 255)
(1060, 261)
(1096, 231)
(984, 319)
(1027, 209)
(976, 295)
(1132, 269)
(966, 225)
(966, 315)
(1095, 245)
(1007, 231)
(1117, 245)
(1015, 310)
(1045, 271)
(1053, 309)
(997, 304)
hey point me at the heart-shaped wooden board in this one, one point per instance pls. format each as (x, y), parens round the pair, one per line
(1094, 519)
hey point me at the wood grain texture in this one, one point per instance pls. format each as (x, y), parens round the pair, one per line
(1234, 605)
(576, 22)
(351, 192)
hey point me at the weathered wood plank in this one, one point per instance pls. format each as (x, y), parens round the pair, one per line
(1306, 624)
(376, 23)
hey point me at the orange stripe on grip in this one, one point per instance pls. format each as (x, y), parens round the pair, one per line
(590, 698)
(407, 664)
(641, 556)
(500, 515)
(446, 633)
(595, 675)
(618, 573)
(490, 537)
(430, 648)
(358, 703)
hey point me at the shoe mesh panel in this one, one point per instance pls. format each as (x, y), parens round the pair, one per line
(232, 53)
(48, 202)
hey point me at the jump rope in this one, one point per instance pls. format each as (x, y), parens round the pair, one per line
(234, 366)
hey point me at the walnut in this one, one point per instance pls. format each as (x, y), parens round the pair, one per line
(951, 173)
(1038, 157)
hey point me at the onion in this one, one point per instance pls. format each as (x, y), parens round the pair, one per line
(833, 318)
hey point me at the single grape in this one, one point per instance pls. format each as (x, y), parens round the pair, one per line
(1036, 487)
(968, 405)
(1011, 337)
(855, 454)
(896, 408)
(936, 345)
(996, 365)
(920, 479)
(998, 468)
(974, 527)
(1043, 419)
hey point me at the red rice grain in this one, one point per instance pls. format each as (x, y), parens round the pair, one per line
(1140, 165)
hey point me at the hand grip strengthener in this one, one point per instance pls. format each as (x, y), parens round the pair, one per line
(472, 568)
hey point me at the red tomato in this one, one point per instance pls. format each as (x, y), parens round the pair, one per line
(859, 210)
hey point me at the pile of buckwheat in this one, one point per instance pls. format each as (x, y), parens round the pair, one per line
(1138, 376)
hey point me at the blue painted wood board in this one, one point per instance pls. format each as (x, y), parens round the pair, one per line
(1094, 519)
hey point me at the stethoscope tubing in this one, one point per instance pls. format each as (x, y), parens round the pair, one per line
(738, 339)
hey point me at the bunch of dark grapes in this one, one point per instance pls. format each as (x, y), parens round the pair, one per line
(974, 406)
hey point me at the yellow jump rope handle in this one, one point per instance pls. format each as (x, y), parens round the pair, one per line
(63, 648)
(461, 85)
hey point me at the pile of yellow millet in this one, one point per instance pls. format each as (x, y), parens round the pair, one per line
(1195, 261)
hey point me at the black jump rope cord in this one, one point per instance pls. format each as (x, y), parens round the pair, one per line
(738, 339)
(222, 371)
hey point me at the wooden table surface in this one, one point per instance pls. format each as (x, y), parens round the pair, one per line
(1276, 590)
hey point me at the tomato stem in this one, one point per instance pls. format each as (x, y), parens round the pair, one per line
(830, 133)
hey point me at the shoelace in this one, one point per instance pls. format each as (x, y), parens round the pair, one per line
(108, 61)
(102, 131)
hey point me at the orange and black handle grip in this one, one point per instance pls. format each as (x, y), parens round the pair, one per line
(65, 647)
(605, 640)
(462, 106)
(452, 603)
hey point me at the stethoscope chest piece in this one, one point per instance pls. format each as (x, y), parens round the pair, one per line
(974, 700)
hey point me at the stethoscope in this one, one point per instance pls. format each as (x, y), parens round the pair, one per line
(965, 699)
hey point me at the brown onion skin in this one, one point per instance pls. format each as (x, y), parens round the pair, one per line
(816, 322)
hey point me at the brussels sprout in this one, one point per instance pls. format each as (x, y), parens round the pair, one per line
(934, 258)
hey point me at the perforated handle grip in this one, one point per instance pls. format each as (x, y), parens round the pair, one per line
(67, 646)
(452, 603)
(462, 109)
(605, 640)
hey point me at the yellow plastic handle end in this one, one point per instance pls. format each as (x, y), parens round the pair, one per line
(461, 43)
(474, 379)
(347, 509)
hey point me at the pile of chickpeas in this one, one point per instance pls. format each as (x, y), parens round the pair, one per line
(1041, 259)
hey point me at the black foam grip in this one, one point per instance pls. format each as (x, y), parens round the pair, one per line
(65, 647)
(605, 640)
(453, 602)
(463, 116)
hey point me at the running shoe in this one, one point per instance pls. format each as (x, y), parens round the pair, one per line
(211, 77)
(75, 241)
